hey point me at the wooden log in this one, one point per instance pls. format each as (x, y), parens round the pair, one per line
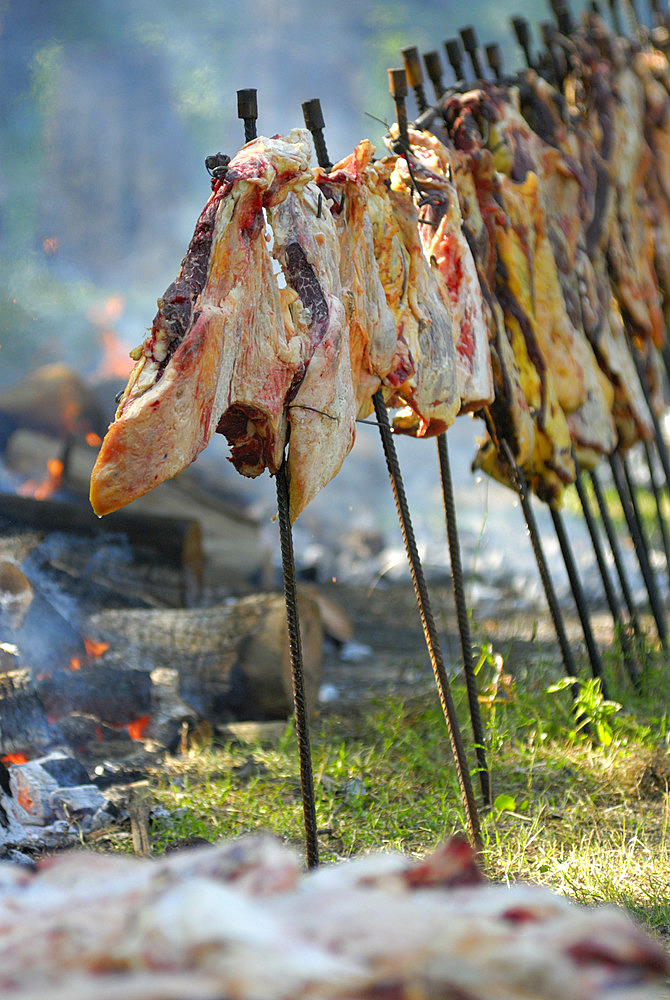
(24, 727)
(178, 541)
(115, 697)
(233, 660)
(53, 399)
(231, 539)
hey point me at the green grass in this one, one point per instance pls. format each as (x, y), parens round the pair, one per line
(582, 810)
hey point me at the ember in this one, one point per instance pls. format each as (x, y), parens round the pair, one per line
(138, 728)
(47, 486)
(95, 649)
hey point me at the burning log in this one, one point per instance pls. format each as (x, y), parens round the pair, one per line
(112, 696)
(232, 660)
(178, 541)
(53, 399)
(24, 727)
(230, 537)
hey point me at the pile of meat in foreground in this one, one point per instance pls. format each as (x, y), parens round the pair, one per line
(240, 920)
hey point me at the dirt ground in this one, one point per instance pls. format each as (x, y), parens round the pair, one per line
(386, 620)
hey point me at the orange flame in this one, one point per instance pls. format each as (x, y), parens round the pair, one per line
(95, 649)
(24, 799)
(14, 758)
(44, 488)
(138, 727)
(115, 360)
(75, 663)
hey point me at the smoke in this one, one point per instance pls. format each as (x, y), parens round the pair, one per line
(107, 113)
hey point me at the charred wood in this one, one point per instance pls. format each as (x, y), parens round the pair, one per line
(176, 542)
(232, 660)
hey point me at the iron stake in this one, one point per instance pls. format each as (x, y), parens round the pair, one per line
(427, 621)
(462, 614)
(248, 110)
(313, 116)
(578, 595)
(640, 544)
(613, 542)
(295, 649)
(630, 661)
(545, 576)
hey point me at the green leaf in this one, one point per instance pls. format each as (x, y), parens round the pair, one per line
(604, 733)
(565, 682)
(504, 803)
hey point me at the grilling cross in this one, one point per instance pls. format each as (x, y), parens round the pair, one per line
(505, 259)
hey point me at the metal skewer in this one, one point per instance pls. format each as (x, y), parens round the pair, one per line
(494, 59)
(656, 490)
(313, 116)
(522, 31)
(462, 615)
(578, 595)
(471, 46)
(248, 110)
(658, 432)
(398, 91)
(620, 628)
(616, 16)
(398, 86)
(295, 649)
(534, 534)
(433, 64)
(452, 530)
(616, 553)
(553, 63)
(640, 547)
(427, 621)
(454, 52)
(414, 74)
(563, 16)
(637, 514)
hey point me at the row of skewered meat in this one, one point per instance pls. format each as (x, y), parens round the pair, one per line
(507, 258)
